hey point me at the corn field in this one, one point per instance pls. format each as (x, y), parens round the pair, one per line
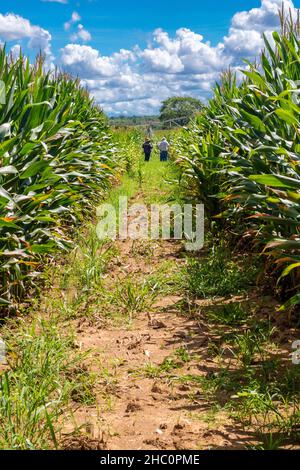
(240, 157)
(56, 156)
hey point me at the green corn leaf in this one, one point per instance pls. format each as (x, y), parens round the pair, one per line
(287, 116)
(255, 121)
(276, 181)
(291, 303)
(289, 269)
(33, 169)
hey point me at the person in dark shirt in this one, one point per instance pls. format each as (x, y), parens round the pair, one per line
(147, 147)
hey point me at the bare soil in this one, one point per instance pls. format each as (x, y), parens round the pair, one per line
(138, 409)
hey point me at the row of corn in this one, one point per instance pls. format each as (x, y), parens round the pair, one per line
(56, 157)
(241, 157)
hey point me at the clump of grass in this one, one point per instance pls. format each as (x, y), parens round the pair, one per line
(275, 419)
(131, 296)
(168, 278)
(83, 391)
(158, 371)
(171, 363)
(252, 344)
(38, 385)
(219, 275)
(213, 383)
(248, 344)
(75, 284)
(87, 263)
(183, 354)
(233, 314)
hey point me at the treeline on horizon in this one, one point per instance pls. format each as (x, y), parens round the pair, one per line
(176, 111)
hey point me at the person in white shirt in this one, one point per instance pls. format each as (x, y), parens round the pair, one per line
(163, 148)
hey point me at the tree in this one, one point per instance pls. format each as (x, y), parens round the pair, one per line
(179, 110)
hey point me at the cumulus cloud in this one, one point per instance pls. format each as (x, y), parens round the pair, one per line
(185, 53)
(15, 51)
(245, 34)
(86, 62)
(263, 18)
(16, 28)
(75, 18)
(80, 33)
(136, 81)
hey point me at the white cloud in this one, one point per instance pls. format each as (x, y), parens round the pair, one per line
(82, 34)
(135, 81)
(160, 60)
(245, 34)
(86, 62)
(185, 53)
(263, 18)
(56, 1)
(243, 43)
(15, 51)
(16, 28)
(75, 18)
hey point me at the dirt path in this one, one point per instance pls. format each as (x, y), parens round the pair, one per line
(164, 377)
(160, 374)
(145, 352)
(149, 353)
(145, 396)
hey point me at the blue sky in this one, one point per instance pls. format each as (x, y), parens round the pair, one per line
(123, 23)
(167, 47)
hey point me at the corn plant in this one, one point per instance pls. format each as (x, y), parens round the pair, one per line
(56, 157)
(241, 156)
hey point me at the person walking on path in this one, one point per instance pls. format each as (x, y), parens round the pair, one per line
(147, 147)
(163, 148)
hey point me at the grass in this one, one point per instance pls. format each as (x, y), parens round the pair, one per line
(153, 371)
(129, 297)
(167, 368)
(253, 401)
(183, 355)
(161, 182)
(87, 263)
(246, 378)
(219, 275)
(76, 280)
(84, 389)
(44, 374)
(168, 278)
(233, 314)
